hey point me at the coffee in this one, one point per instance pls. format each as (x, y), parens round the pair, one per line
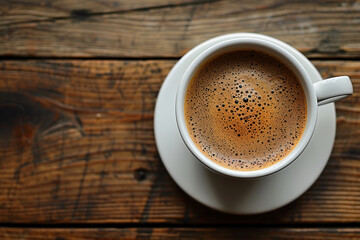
(245, 110)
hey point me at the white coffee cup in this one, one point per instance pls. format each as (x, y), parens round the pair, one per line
(317, 94)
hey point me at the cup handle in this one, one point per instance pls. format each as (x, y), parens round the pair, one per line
(333, 89)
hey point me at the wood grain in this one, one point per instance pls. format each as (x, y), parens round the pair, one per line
(77, 146)
(180, 233)
(17, 11)
(53, 29)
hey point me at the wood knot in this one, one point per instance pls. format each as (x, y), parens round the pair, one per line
(140, 174)
(80, 14)
(9, 113)
(23, 116)
(14, 123)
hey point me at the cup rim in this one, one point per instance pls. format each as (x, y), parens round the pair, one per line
(257, 45)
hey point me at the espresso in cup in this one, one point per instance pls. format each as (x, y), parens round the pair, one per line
(245, 110)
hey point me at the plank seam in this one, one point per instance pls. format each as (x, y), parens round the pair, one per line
(174, 225)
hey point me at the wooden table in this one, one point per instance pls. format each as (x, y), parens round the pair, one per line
(78, 85)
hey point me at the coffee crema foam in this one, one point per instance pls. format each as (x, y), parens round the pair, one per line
(245, 110)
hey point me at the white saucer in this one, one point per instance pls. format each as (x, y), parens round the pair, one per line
(234, 195)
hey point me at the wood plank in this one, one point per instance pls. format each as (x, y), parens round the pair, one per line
(180, 233)
(77, 146)
(17, 11)
(317, 28)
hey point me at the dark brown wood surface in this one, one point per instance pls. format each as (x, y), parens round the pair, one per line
(21, 11)
(181, 233)
(78, 86)
(317, 28)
